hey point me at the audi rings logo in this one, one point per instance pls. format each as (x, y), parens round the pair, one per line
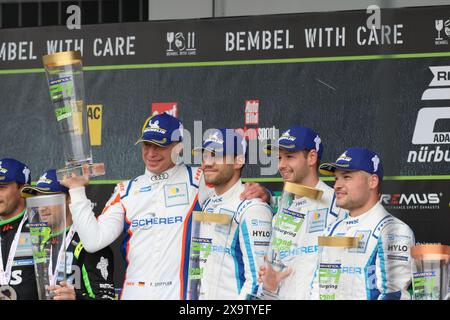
(160, 177)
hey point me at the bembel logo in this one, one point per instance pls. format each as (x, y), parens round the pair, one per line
(427, 118)
(258, 40)
(411, 201)
(181, 44)
(442, 25)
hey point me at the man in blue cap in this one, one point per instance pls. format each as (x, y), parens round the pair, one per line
(153, 211)
(90, 275)
(381, 266)
(239, 246)
(17, 277)
(299, 152)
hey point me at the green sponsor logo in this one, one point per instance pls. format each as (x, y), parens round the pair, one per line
(331, 296)
(63, 112)
(281, 244)
(425, 285)
(195, 273)
(60, 90)
(200, 247)
(290, 220)
(329, 276)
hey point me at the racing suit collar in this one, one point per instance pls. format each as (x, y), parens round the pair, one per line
(321, 185)
(230, 194)
(366, 215)
(161, 177)
(302, 201)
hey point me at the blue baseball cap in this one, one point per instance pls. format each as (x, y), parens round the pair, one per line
(224, 142)
(298, 138)
(162, 129)
(48, 184)
(12, 170)
(354, 159)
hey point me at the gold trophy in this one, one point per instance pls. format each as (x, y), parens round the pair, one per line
(285, 236)
(430, 272)
(64, 72)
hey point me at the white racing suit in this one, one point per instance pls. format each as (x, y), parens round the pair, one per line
(154, 213)
(318, 214)
(382, 262)
(231, 269)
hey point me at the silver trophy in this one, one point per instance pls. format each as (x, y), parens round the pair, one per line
(335, 254)
(430, 272)
(286, 231)
(47, 223)
(65, 81)
(210, 236)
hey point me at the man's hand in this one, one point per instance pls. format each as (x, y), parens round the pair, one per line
(255, 190)
(64, 291)
(75, 181)
(270, 278)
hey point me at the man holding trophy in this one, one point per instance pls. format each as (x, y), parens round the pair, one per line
(153, 210)
(381, 266)
(237, 244)
(299, 152)
(89, 275)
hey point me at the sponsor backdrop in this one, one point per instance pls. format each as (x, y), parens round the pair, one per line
(385, 87)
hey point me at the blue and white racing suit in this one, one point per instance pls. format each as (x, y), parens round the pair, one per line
(230, 271)
(317, 215)
(381, 265)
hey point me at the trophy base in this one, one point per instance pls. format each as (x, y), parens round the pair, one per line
(90, 170)
(262, 294)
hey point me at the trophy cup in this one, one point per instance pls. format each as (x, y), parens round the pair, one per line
(65, 81)
(47, 223)
(430, 272)
(285, 237)
(209, 240)
(335, 255)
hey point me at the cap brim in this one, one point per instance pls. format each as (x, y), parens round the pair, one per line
(30, 191)
(328, 169)
(197, 150)
(275, 146)
(156, 142)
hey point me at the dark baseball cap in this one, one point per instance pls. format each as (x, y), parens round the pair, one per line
(12, 170)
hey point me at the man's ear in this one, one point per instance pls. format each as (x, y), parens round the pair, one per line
(178, 149)
(312, 157)
(239, 162)
(374, 181)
